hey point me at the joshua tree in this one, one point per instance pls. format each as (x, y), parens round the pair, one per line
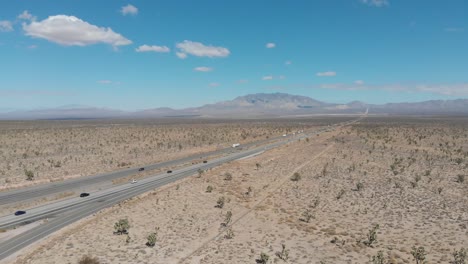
(459, 257)
(200, 172)
(249, 190)
(372, 236)
(229, 234)
(284, 254)
(258, 165)
(220, 202)
(359, 186)
(121, 227)
(263, 258)
(340, 194)
(227, 219)
(307, 215)
(419, 254)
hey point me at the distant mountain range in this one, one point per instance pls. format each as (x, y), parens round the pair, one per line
(252, 106)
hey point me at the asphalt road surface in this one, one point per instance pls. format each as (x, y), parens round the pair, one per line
(62, 213)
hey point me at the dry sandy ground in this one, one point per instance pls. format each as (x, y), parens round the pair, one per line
(57, 150)
(412, 207)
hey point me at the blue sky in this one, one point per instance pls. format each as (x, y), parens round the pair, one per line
(144, 54)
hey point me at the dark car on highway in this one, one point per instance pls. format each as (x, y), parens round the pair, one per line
(84, 194)
(205, 161)
(169, 171)
(141, 169)
(20, 212)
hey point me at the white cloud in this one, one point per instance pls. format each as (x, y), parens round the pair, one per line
(32, 47)
(6, 26)
(147, 48)
(376, 3)
(26, 16)
(342, 86)
(326, 74)
(72, 31)
(359, 82)
(271, 77)
(243, 81)
(214, 84)
(270, 45)
(104, 81)
(203, 69)
(129, 10)
(181, 55)
(458, 89)
(200, 50)
(288, 63)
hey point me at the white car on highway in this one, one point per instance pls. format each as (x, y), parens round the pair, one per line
(134, 181)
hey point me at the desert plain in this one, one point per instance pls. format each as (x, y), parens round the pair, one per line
(383, 190)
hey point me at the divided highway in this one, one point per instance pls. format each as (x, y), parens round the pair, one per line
(42, 190)
(64, 212)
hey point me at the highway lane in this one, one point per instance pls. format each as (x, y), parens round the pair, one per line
(42, 190)
(51, 209)
(61, 215)
(65, 215)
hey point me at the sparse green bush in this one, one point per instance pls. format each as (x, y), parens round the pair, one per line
(296, 177)
(200, 173)
(151, 240)
(121, 227)
(340, 194)
(227, 176)
(209, 189)
(89, 260)
(460, 178)
(459, 257)
(379, 258)
(29, 175)
(258, 166)
(417, 178)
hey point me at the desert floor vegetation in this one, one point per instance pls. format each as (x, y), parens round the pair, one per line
(385, 190)
(33, 152)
